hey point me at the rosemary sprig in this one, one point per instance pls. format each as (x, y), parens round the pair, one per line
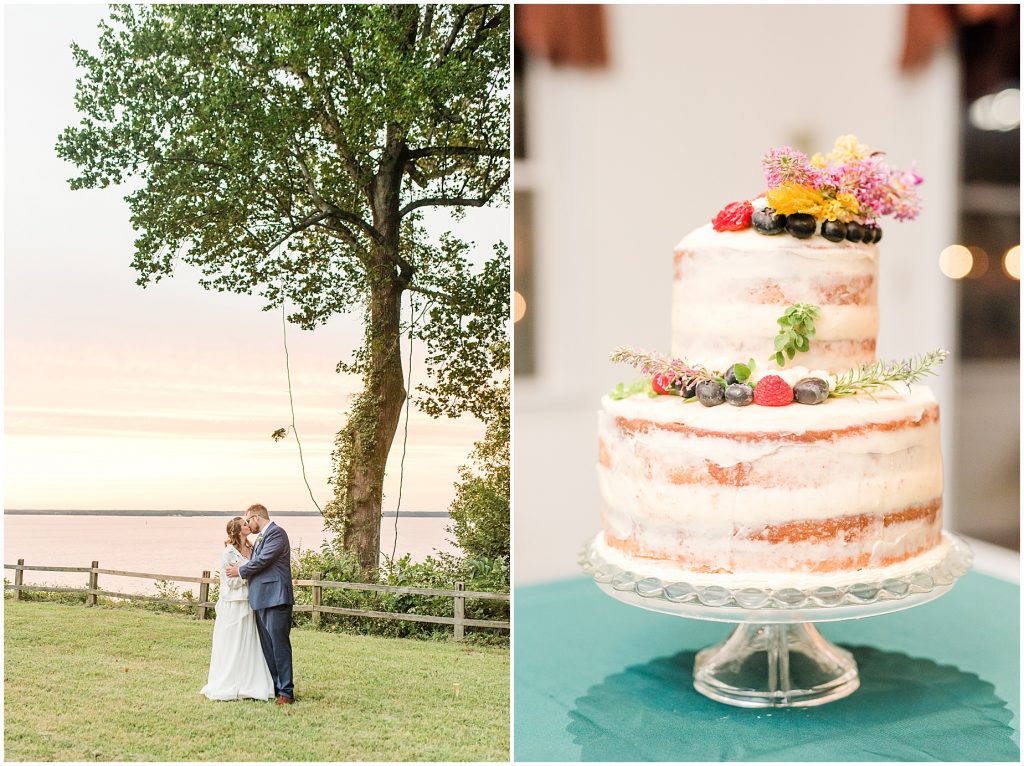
(796, 328)
(871, 377)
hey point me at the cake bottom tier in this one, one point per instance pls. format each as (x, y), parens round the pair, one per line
(841, 487)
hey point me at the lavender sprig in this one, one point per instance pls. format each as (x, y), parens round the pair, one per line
(652, 364)
(871, 377)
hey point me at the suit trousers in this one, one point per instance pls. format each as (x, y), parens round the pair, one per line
(274, 625)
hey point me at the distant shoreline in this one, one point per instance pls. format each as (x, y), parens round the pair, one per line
(28, 512)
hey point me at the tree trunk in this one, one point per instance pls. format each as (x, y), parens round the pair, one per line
(371, 428)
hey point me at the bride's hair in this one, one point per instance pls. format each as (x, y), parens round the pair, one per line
(235, 532)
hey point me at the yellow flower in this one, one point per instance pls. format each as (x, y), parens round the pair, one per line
(843, 207)
(818, 161)
(792, 198)
(848, 148)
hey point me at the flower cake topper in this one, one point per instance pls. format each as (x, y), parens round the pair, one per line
(840, 195)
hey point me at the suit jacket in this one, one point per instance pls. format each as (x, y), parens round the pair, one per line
(269, 571)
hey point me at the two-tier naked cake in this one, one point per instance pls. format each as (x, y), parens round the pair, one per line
(770, 447)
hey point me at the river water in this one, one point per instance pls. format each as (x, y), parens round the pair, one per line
(171, 545)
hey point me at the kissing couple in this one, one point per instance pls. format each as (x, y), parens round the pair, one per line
(252, 649)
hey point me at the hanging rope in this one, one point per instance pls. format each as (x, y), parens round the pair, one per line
(405, 437)
(291, 402)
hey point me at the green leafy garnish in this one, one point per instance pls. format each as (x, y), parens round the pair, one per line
(796, 328)
(742, 372)
(642, 386)
(871, 377)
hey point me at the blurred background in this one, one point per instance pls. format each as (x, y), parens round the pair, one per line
(636, 124)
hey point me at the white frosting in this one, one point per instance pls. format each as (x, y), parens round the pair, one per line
(770, 580)
(731, 287)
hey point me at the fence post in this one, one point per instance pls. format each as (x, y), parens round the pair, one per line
(460, 612)
(19, 579)
(204, 595)
(94, 584)
(317, 595)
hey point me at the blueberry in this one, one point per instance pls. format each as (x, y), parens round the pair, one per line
(767, 221)
(810, 391)
(854, 231)
(878, 234)
(739, 394)
(710, 393)
(730, 375)
(833, 231)
(869, 235)
(689, 390)
(801, 225)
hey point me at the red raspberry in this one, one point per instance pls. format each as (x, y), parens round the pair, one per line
(662, 383)
(773, 391)
(733, 217)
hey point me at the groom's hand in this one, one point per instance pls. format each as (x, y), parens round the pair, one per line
(231, 571)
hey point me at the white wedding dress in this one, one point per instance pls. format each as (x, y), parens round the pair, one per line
(238, 669)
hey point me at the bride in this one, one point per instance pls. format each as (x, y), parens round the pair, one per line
(237, 667)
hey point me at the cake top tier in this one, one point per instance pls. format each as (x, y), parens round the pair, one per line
(841, 195)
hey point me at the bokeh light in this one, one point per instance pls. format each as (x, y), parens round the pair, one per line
(519, 307)
(1011, 262)
(956, 261)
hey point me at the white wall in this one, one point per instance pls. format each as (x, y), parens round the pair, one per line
(627, 160)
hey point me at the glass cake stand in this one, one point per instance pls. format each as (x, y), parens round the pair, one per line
(775, 657)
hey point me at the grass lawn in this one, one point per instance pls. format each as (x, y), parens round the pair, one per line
(102, 684)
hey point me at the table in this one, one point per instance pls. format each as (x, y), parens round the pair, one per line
(597, 680)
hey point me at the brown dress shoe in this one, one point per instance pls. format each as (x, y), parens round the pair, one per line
(282, 700)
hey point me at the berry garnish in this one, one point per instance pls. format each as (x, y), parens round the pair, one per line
(767, 221)
(710, 393)
(662, 383)
(773, 391)
(833, 231)
(689, 390)
(854, 232)
(878, 234)
(810, 391)
(800, 225)
(733, 217)
(739, 394)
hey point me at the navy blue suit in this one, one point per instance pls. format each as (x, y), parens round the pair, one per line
(269, 573)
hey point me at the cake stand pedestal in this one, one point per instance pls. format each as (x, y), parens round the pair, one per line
(775, 657)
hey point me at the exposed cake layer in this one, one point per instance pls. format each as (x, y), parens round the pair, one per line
(843, 485)
(729, 288)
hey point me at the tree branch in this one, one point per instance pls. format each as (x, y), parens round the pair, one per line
(456, 201)
(475, 151)
(332, 210)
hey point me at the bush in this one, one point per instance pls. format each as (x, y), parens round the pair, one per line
(338, 565)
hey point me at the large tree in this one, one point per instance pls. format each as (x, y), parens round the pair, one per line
(290, 151)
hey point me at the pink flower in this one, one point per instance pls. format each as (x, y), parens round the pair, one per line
(787, 164)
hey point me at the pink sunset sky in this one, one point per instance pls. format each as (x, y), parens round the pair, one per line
(165, 398)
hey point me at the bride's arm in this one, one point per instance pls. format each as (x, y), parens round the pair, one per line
(231, 583)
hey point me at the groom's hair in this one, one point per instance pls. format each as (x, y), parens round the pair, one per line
(258, 510)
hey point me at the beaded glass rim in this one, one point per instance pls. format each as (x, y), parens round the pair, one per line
(952, 566)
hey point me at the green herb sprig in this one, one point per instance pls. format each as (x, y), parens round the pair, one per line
(796, 328)
(868, 378)
(624, 391)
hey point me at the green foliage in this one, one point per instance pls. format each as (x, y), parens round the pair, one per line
(623, 391)
(796, 328)
(360, 698)
(742, 372)
(335, 563)
(288, 151)
(480, 512)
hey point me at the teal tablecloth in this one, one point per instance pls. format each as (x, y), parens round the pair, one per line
(597, 680)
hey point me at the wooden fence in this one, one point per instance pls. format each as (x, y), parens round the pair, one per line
(202, 606)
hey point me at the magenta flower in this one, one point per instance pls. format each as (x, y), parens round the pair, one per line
(787, 164)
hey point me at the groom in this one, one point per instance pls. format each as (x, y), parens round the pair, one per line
(269, 573)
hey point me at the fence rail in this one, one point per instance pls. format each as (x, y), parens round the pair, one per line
(202, 606)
